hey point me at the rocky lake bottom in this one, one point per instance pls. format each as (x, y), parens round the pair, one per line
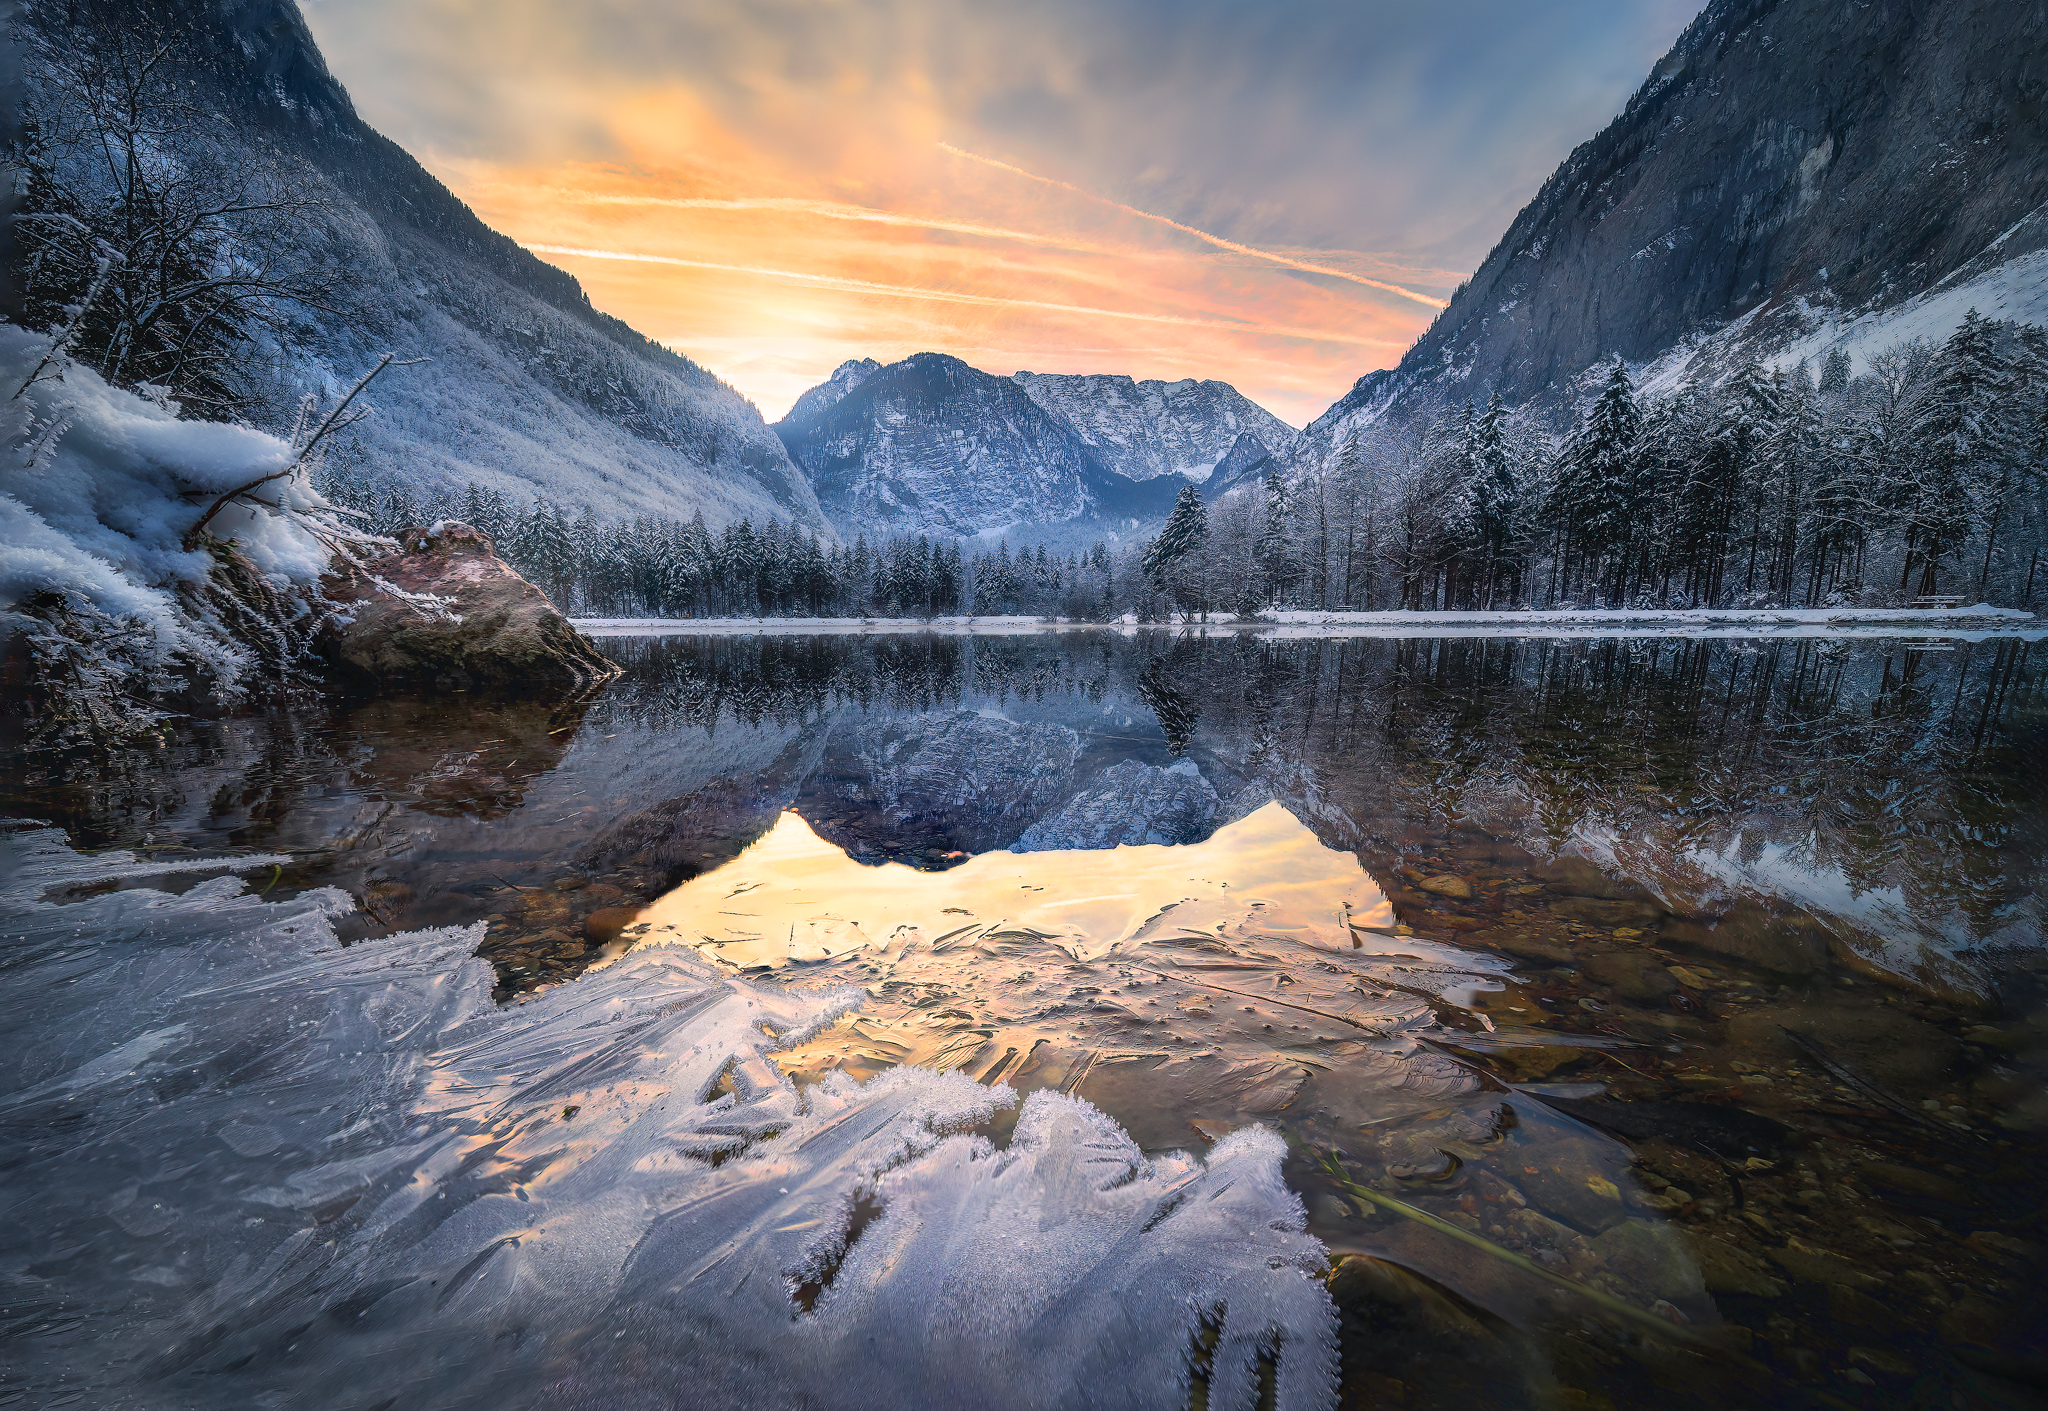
(1632, 1019)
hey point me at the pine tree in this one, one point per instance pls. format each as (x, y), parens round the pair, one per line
(1495, 497)
(485, 510)
(1597, 492)
(544, 551)
(399, 512)
(1834, 372)
(1791, 458)
(1273, 550)
(1173, 560)
(1963, 437)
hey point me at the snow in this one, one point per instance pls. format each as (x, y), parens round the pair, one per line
(100, 485)
(1150, 429)
(2016, 290)
(269, 1170)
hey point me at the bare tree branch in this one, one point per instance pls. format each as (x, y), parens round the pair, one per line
(332, 420)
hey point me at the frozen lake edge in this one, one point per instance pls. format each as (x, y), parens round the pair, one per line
(1962, 624)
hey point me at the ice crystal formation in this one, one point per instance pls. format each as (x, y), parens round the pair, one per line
(270, 1168)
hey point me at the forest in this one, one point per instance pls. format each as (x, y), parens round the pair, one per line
(1924, 474)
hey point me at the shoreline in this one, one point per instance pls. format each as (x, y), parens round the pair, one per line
(1963, 624)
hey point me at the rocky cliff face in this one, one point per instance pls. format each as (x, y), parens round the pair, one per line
(1789, 163)
(1143, 430)
(1247, 460)
(530, 390)
(932, 446)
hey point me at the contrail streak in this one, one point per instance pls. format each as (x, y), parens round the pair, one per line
(907, 291)
(834, 210)
(1218, 241)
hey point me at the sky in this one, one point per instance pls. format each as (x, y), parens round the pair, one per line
(1279, 194)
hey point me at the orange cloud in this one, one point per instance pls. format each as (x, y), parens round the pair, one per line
(902, 291)
(772, 288)
(775, 234)
(804, 177)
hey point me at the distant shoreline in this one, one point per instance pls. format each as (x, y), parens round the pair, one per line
(1963, 623)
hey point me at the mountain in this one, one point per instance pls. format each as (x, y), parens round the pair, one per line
(1248, 459)
(529, 389)
(1144, 430)
(1794, 175)
(827, 394)
(930, 445)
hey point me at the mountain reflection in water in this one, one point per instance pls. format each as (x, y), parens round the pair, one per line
(1703, 976)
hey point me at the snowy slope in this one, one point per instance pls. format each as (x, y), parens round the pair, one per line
(828, 394)
(1144, 430)
(2013, 288)
(1793, 175)
(529, 389)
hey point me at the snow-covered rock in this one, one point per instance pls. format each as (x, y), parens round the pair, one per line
(828, 394)
(931, 445)
(102, 605)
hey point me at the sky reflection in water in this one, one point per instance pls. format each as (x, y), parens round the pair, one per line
(1626, 869)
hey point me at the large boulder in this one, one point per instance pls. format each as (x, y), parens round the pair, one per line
(446, 612)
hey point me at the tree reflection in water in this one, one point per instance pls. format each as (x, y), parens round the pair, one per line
(1766, 915)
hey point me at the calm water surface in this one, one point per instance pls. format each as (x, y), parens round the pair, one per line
(1645, 1018)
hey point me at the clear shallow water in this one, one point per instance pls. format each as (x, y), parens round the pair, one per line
(1503, 938)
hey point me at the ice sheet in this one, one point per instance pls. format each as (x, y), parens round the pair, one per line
(247, 1166)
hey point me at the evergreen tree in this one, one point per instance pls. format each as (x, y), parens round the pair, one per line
(399, 512)
(544, 550)
(1596, 497)
(1273, 550)
(1495, 497)
(1963, 437)
(1173, 561)
(485, 510)
(1834, 372)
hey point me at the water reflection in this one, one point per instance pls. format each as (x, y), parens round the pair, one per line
(1715, 982)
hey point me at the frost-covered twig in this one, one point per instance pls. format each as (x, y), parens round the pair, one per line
(61, 344)
(328, 424)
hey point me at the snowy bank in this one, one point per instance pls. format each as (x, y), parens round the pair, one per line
(1966, 623)
(98, 489)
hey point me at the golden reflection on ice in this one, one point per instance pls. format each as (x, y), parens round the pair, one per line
(1183, 989)
(793, 897)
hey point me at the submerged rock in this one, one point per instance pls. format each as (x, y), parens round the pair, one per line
(1630, 974)
(446, 611)
(1789, 944)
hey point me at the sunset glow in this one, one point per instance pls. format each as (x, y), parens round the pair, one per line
(772, 190)
(772, 291)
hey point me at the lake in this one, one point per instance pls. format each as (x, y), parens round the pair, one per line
(1631, 1018)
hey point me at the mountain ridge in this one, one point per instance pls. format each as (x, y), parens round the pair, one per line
(529, 390)
(932, 445)
(1785, 164)
(1061, 460)
(1146, 429)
